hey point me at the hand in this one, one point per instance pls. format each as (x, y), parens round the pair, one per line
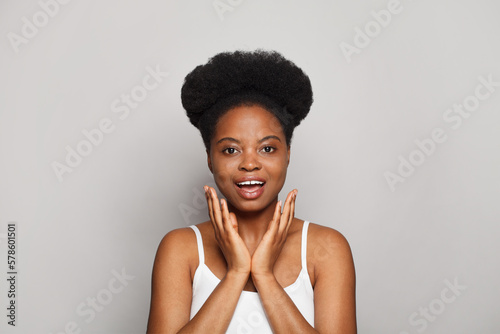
(226, 234)
(272, 242)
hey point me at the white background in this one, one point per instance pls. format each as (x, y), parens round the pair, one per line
(111, 211)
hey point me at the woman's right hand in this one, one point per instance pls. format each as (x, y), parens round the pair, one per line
(226, 234)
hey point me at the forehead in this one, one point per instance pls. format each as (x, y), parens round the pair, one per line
(248, 121)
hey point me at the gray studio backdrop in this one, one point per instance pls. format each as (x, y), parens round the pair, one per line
(400, 152)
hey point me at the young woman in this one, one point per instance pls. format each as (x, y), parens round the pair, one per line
(254, 267)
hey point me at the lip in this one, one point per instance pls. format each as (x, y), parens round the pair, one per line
(250, 178)
(250, 194)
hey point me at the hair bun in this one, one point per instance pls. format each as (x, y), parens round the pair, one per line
(228, 73)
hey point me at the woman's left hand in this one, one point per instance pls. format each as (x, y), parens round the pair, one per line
(269, 248)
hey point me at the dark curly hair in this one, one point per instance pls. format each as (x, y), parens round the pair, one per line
(231, 79)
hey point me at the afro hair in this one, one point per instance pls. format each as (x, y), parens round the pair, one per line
(230, 79)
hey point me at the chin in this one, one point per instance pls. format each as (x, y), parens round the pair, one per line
(256, 205)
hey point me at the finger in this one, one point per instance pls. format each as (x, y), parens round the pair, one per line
(210, 205)
(286, 212)
(216, 209)
(272, 226)
(274, 223)
(213, 203)
(292, 212)
(234, 222)
(226, 220)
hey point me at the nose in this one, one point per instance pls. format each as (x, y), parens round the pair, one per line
(250, 162)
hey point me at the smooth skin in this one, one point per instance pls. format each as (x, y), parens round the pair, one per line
(252, 244)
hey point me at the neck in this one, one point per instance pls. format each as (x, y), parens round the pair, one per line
(253, 225)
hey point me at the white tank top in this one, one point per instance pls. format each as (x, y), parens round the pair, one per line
(249, 315)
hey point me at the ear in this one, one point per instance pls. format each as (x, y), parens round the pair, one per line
(209, 162)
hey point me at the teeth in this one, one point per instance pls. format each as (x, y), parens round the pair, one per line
(247, 183)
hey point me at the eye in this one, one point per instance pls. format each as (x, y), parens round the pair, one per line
(268, 149)
(229, 150)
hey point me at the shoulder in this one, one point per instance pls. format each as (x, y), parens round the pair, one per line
(325, 235)
(171, 280)
(334, 280)
(177, 237)
(177, 247)
(328, 249)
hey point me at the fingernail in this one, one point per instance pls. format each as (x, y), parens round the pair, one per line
(205, 188)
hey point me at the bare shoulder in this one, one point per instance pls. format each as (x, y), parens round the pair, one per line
(334, 280)
(171, 281)
(178, 246)
(322, 234)
(327, 246)
(179, 236)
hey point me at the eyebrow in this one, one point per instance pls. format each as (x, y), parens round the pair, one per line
(238, 142)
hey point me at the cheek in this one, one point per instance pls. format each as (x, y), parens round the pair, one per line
(278, 168)
(221, 174)
(284, 166)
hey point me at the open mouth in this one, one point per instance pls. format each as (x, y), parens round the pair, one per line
(250, 186)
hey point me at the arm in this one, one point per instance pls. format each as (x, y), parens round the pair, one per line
(171, 285)
(283, 315)
(335, 282)
(334, 289)
(215, 315)
(172, 291)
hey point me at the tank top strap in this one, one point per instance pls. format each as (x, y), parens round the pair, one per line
(303, 251)
(199, 242)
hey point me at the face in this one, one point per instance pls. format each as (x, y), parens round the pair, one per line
(249, 158)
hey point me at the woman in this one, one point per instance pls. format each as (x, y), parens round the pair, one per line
(254, 267)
